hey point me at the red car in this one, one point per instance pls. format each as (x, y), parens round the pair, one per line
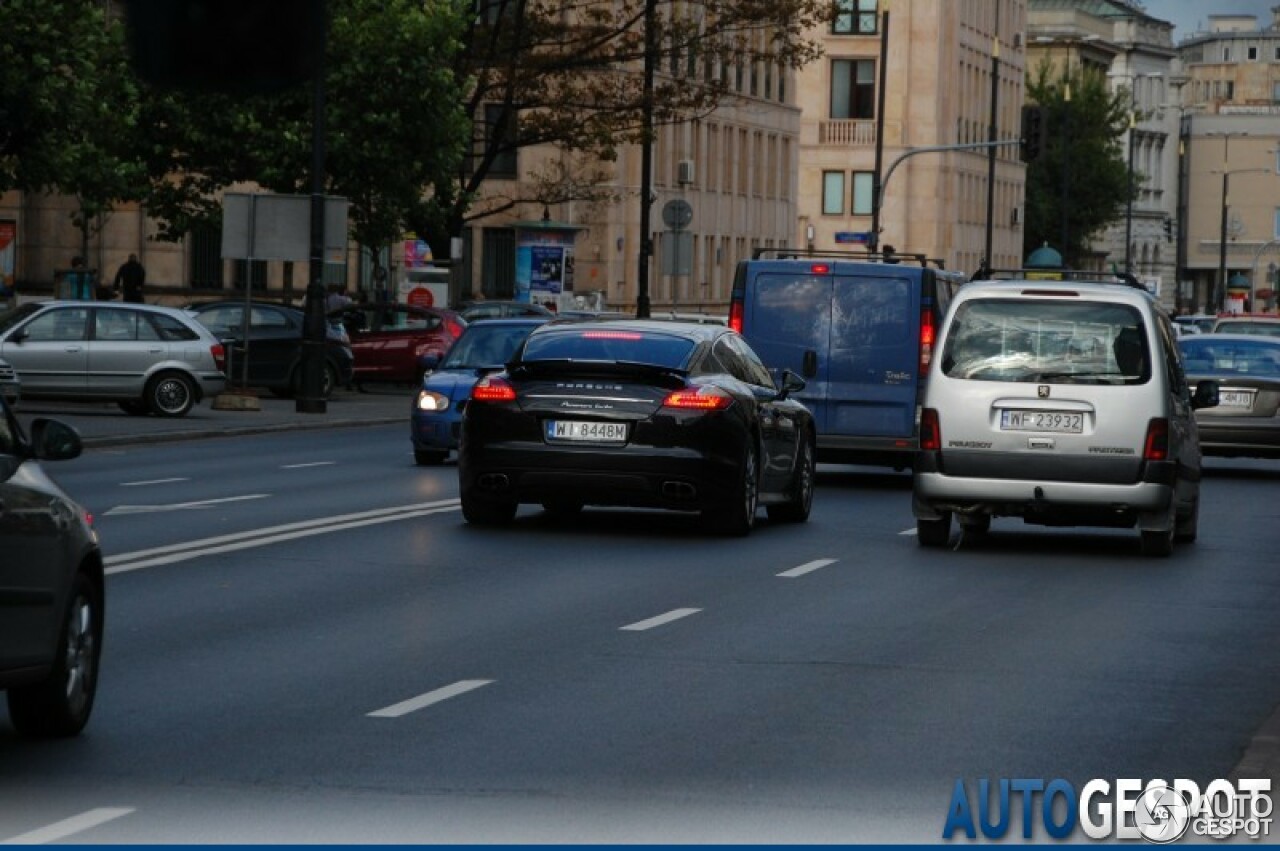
(391, 340)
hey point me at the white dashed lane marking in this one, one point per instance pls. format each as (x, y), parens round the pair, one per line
(807, 567)
(422, 701)
(673, 615)
(69, 827)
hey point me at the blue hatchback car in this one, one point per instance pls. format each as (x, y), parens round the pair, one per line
(485, 346)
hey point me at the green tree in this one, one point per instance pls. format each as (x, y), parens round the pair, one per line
(68, 106)
(1080, 182)
(543, 73)
(393, 127)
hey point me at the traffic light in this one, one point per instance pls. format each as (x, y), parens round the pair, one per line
(1033, 131)
(1168, 230)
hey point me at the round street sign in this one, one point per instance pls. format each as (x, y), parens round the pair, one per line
(677, 213)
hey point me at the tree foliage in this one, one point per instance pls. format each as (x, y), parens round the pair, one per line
(393, 127)
(1082, 173)
(569, 74)
(68, 106)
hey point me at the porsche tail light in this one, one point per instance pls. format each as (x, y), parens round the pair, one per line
(699, 399)
(930, 430)
(492, 389)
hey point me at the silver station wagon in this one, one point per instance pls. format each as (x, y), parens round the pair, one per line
(1064, 403)
(147, 358)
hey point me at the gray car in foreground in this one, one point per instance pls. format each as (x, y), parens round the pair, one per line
(51, 585)
(147, 358)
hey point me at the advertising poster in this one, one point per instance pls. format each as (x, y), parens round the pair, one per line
(524, 272)
(417, 253)
(8, 248)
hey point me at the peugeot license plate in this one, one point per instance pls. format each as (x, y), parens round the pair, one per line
(1062, 422)
(586, 432)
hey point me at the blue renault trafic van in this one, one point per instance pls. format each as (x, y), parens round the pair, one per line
(860, 329)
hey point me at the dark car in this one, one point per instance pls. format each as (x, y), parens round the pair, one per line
(391, 341)
(51, 585)
(639, 413)
(275, 345)
(1246, 420)
(473, 310)
(484, 347)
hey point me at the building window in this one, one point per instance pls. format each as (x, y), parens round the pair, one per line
(855, 17)
(853, 88)
(499, 137)
(1226, 54)
(863, 188)
(1253, 54)
(1275, 92)
(832, 193)
(1275, 233)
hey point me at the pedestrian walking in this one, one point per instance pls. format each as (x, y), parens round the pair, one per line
(130, 279)
(79, 281)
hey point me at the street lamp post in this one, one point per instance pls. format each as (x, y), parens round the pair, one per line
(1220, 291)
(1133, 128)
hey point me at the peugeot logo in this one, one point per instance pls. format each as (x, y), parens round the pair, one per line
(1043, 391)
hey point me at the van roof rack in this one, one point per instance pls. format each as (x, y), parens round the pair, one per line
(889, 256)
(1083, 275)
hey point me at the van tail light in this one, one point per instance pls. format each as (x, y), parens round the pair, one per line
(930, 430)
(492, 389)
(735, 315)
(699, 399)
(927, 334)
(219, 356)
(1156, 447)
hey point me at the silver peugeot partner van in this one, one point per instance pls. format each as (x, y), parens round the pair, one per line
(1062, 402)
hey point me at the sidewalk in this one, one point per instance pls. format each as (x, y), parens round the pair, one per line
(104, 424)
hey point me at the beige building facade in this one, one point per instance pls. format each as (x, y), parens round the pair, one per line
(938, 93)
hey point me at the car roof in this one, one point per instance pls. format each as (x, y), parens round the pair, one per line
(508, 321)
(1219, 336)
(1102, 290)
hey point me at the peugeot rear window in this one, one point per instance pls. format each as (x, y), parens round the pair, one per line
(609, 345)
(1033, 340)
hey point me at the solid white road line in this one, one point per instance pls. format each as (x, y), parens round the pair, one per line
(422, 701)
(673, 615)
(181, 506)
(270, 535)
(807, 567)
(308, 464)
(152, 482)
(68, 827)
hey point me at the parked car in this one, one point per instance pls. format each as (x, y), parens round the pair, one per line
(639, 413)
(147, 358)
(484, 347)
(473, 310)
(860, 329)
(275, 345)
(391, 341)
(51, 585)
(1063, 403)
(10, 383)
(1246, 420)
(1248, 323)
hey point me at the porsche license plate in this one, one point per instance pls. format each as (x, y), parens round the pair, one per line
(586, 432)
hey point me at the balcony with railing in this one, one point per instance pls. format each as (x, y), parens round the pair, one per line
(847, 132)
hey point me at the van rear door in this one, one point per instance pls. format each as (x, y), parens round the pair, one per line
(787, 321)
(872, 377)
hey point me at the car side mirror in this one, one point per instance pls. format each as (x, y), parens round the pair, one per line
(1206, 394)
(791, 383)
(54, 440)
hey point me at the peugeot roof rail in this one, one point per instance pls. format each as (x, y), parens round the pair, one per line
(1123, 279)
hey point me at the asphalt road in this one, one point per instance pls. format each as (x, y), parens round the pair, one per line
(305, 643)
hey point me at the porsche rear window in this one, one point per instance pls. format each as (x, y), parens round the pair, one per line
(607, 345)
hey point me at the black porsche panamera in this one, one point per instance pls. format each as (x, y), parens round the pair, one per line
(637, 413)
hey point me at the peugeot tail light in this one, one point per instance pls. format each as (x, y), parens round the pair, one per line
(930, 430)
(1156, 446)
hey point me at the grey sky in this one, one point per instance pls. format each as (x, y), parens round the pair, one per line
(1190, 16)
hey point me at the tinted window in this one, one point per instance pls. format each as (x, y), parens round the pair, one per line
(169, 328)
(485, 345)
(754, 372)
(1231, 358)
(1270, 329)
(1034, 341)
(68, 323)
(792, 309)
(608, 345)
